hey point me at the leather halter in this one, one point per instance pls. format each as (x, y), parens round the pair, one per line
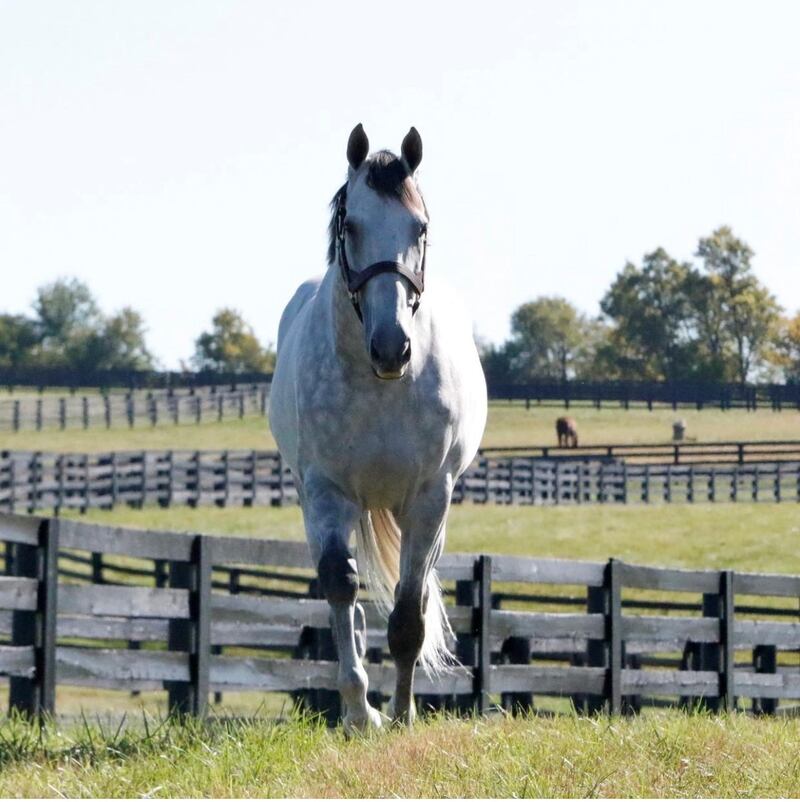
(355, 280)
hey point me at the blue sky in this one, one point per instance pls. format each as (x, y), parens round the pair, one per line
(179, 156)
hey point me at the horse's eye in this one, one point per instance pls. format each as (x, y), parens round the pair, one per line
(423, 230)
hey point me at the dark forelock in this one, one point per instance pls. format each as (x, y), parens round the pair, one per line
(388, 176)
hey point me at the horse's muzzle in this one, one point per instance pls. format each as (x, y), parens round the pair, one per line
(390, 356)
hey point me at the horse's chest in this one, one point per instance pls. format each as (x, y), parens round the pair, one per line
(378, 450)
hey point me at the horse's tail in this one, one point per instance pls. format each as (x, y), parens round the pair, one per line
(379, 546)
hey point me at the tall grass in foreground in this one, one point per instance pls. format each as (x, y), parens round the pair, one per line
(659, 754)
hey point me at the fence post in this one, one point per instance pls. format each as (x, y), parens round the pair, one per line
(726, 620)
(483, 578)
(613, 594)
(107, 410)
(193, 635)
(35, 696)
(595, 649)
(38, 414)
(765, 661)
(85, 411)
(16, 415)
(466, 644)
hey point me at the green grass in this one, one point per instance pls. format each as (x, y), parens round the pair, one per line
(508, 424)
(755, 537)
(655, 755)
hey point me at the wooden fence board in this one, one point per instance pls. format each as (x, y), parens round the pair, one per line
(80, 666)
(19, 528)
(759, 633)
(123, 600)
(112, 628)
(668, 683)
(698, 630)
(767, 686)
(18, 661)
(507, 623)
(696, 581)
(513, 568)
(18, 593)
(766, 584)
(546, 680)
(119, 540)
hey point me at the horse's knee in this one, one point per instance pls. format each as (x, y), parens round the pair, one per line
(338, 575)
(406, 631)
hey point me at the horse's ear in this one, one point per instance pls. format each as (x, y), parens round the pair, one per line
(412, 149)
(357, 147)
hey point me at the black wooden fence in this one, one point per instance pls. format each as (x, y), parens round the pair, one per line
(134, 408)
(223, 614)
(700, 395)
(31, 481)
(677, 453)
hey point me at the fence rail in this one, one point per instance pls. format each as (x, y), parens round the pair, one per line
(606, 635)
(677, 453)
(31, 481)
(135, 408)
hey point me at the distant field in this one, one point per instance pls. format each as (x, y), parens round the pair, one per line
(758, 537)
(509, 424)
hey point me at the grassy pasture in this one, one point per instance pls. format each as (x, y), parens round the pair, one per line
(655, 755)
(508, 424)
(756, 537)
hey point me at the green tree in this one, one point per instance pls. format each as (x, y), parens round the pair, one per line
(549, 337)
(654, 326)
(746, 313)
(19, 336)
(66, 311)
(785, 353)
(231, 346)
(116, 343)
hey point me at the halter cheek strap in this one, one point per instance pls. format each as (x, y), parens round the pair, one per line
(356, 280)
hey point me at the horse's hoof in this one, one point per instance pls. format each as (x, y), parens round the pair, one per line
(401, 719)
(355, 725)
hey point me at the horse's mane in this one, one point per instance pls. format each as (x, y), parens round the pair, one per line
(388, 176)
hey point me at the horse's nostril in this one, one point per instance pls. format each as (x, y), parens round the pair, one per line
(405, 354)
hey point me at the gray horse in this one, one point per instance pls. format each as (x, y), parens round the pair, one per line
(378, 404)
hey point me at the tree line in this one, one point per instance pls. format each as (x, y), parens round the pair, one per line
(660, 320)
(710, 319)
(67, 330)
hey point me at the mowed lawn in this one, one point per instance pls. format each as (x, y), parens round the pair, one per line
(508, 424)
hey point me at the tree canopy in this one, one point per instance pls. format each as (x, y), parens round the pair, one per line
(231, 346)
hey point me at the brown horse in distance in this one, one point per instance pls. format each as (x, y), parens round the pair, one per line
(567, 431)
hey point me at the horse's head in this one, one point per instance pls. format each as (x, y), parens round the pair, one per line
(378, 238)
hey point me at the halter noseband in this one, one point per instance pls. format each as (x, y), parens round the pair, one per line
(355, 281)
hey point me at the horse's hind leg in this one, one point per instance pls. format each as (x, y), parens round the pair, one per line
(329, 520)
(422, 525)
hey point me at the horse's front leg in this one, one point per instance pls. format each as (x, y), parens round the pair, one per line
(329, 520)
(422, 523)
